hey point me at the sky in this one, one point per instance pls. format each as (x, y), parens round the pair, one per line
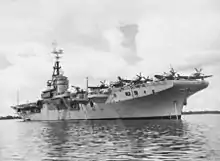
(156, 33)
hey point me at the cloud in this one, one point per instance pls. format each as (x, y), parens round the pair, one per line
(4, 63)
(129, 32)
(87, 26)
(184, 34)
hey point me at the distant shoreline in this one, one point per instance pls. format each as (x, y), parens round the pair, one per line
(200, 112)
(9, 117)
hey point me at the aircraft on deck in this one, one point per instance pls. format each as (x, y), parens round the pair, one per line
(148, 79)
(141, 79)
(103, 85)
(76, 88)
(196, 75)
(138, 80)
(124, 80)
(169, 76)
(117, 84)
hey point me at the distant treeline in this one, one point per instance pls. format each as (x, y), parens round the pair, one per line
(9, 117)
(200, 112)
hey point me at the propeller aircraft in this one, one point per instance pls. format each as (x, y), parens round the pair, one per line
(168, 76)
(124, 80)
(148, 79)
(117, 84)
(196, 75)
(103, 85)
(121, 82)
(141, 79)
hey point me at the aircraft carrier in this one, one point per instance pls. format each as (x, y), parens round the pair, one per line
(163, 97)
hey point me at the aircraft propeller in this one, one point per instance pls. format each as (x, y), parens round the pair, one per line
(119, 78)
(198, 71)
(140, 75)
(147, 79)
(103, 82)
(77, 88)
(172, 71)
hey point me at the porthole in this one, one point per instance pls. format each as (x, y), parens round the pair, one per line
(136, 92)
(127, 93)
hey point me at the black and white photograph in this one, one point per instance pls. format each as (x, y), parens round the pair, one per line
(109, 80)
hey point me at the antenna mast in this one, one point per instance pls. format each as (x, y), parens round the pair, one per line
(56, 67)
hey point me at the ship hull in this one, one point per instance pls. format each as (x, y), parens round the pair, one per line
(166, 104)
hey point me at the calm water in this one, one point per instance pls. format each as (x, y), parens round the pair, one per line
(195, 137)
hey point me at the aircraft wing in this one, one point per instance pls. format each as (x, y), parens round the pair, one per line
(159, 76)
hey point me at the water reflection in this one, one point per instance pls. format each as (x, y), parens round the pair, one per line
(56, 136)
(112, 140)
(130, 139)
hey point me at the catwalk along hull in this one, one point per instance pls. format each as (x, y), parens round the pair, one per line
(167, 102)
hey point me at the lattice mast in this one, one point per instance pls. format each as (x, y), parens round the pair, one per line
(56, 67)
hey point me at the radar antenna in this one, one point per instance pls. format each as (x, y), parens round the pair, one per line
(57, 66)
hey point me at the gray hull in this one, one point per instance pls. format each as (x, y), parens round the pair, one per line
(165, 103)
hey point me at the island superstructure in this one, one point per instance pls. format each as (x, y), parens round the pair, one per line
(123, 99)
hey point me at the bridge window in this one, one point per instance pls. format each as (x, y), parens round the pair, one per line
(144, 92)
(136, 92)
(127, 93)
